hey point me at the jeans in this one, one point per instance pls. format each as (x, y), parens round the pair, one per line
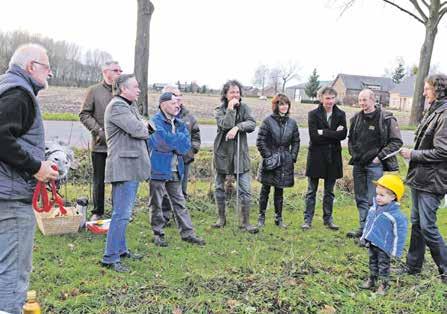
(166, 203)
(244, 188)
(328, 199)
(364, 188)
(99, 166)
(17, 227)
(379, 262)
(123, 196)
(158, 189)
(424, 232)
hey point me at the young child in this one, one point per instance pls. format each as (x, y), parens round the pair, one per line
(385, 231)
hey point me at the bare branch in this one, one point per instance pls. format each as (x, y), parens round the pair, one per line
(346, 6)
(419, 9)
(404, 10)
(443, 4)
(426, 4)
(442, 12)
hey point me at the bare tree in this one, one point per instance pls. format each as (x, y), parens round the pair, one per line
(275, 78)
(288, 72)
(145, 10)
(429, 13)
(261, 76)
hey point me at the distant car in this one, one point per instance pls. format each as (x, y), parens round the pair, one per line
(263, 97)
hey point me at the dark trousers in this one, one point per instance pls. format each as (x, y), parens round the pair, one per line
(166, 205)
(99, 166)
(277, 199)
(364, 188)
(425, 232)
(379, 262)
(328, 199)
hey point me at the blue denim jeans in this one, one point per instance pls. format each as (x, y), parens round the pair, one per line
(17, 227)
(244, 188)
(364, 188)
(425, 232)
(123, 196)
(328, 199)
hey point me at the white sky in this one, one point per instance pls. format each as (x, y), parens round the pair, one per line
(210, 41)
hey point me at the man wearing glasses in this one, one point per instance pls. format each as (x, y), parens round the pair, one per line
(92, 117)
(194, 133)
(22, 154)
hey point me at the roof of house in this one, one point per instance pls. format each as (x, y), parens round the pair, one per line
(303, 85)
(406, 87)
(360, 82)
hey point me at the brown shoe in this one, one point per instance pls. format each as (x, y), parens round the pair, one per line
(383, 288)
(370, 283)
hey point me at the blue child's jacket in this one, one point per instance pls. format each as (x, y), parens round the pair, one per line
(386, 228)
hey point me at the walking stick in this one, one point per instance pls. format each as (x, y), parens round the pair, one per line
(237, 180)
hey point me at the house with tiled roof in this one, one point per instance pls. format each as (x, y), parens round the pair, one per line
(348, 87)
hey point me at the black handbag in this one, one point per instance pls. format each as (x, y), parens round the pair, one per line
(272, 162)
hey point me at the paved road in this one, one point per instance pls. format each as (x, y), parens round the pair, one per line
(75, 134)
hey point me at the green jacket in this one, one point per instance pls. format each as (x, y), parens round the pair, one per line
(225, 151)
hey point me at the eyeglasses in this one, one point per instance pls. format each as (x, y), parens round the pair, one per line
(116, 70)
(46, 66)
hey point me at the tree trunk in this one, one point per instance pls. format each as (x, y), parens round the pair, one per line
(417, 107)
(145, 10)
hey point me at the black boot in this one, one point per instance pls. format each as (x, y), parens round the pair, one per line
(278, 201)
(263, 201)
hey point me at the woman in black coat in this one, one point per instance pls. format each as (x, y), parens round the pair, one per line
(278, 143)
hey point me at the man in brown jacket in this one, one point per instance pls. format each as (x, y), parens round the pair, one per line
(92, 117)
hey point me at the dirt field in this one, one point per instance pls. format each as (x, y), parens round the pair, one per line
(65, 99)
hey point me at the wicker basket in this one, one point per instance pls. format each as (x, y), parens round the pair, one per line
(50, 224)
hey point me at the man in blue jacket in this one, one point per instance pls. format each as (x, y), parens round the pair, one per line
(167, 146)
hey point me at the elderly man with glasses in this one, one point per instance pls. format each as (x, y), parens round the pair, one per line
(92, 117)
(22, 139)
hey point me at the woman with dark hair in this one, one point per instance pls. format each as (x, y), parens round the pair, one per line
(427, 178)
(278, 143)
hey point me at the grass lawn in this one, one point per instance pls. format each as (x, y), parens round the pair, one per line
(274, 271)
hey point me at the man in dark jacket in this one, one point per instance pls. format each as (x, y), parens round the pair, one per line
(374, 140)
(194, 132)
(327, 127)
(92, 117)
(167, 146)
(22, 142)
(427, 177)
(234, 121)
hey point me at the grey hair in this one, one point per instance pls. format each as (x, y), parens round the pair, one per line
(25, 54)
(120, 82)
(372, 96)
(170, 89)
(108, 63)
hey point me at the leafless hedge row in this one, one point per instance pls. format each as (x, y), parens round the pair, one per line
(71, 65)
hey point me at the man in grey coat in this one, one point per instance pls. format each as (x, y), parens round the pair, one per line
(234, 121)
(22, 153)
(127, 164)
(92, 117)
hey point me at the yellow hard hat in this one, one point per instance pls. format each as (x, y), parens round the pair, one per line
(392, 182)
